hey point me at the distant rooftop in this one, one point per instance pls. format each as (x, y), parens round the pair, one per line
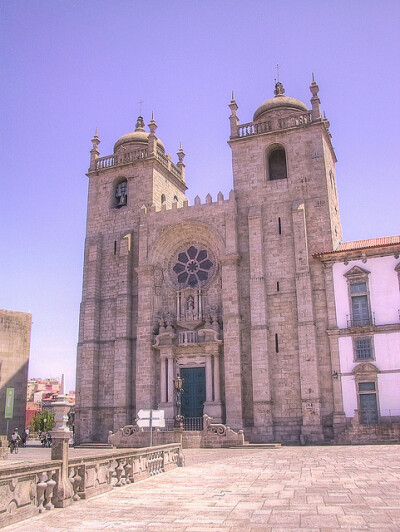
(363, 244)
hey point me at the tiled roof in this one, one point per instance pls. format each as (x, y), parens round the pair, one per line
(363, 244)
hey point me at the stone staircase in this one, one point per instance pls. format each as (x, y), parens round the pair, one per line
(94, 446)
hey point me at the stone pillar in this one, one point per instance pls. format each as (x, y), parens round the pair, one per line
(339, 417)
(170, 379)
(145, 358)
(163, 379)
(217, 383)
(59, 451)
(123, 381)
(89, 345)
(308, 360)
(232, 321)
(262, 404)
(209, 397)
(232, 344)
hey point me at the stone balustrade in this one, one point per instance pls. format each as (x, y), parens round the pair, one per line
(123, 158)
(26, 490)
(187, 337)
(258, 128)
(109, 161)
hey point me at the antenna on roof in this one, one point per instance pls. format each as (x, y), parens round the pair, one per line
(140, 107)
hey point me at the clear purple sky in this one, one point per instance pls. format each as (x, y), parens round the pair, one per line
(69, 66)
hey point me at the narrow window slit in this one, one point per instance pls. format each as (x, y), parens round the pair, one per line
(115, 247)
(276, 344)
(279, 226)
(277, 286)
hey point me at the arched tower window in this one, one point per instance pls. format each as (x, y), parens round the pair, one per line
(121, 194)
(162, 198)
(277, 164)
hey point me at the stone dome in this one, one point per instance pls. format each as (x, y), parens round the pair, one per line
(278, 102)
(139, 137)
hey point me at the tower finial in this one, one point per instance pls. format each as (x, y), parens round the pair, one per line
(152, 124)
(315, 101)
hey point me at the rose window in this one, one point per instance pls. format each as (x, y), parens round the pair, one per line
(193, 267)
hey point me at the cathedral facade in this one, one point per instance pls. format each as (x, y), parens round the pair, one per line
(229, 294)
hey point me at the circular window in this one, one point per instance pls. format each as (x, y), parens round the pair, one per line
(193, 267)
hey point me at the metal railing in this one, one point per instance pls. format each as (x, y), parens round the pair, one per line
(193, 423)
(360, 322)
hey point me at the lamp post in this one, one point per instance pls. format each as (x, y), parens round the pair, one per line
(178, 383)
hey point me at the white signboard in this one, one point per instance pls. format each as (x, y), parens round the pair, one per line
(150, 419)
(145, 423)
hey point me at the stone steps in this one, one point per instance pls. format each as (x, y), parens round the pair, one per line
(94, 446)
(248, 445)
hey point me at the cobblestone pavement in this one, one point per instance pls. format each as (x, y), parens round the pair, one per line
(285, 489)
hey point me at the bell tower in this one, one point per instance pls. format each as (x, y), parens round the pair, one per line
(284, 181)
(137, 177)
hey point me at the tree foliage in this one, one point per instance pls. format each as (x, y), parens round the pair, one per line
(43, 421)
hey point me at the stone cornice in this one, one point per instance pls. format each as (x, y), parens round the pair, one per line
(366, 330)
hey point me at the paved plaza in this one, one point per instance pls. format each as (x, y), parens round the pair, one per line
(289, 488)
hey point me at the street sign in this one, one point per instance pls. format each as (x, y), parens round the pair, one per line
(144, 423)
(9, 408)
(150, 419)
(155, 414)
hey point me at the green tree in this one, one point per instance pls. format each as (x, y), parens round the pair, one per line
(43, 421)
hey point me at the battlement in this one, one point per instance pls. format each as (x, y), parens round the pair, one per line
(197, 203)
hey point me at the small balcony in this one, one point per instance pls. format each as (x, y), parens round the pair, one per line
(187, 337)
(361, 321)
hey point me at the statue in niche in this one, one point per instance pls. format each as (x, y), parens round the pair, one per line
(190, 308)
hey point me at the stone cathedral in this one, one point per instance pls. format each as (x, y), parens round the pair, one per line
(227, 293)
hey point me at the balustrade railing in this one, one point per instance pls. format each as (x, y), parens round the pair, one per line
(29, 489)
(122, 158)
(166, 161)
(257, 128)
(187, 337)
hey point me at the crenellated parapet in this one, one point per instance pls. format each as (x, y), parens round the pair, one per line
(219, 200)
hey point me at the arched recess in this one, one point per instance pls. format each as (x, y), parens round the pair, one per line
(119, 192)
(276, 163)
(177, 236)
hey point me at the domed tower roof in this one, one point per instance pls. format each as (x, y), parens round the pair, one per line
(139, 137)
(279, 102)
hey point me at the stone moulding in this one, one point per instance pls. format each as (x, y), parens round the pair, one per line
(27, 490)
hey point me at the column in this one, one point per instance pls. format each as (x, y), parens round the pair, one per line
(262, 407)
(339, 417)
(123, 380)
(145, 357)
(308, 360)
(232, 320)
(89, 345)
(170, 379)
(208, 379)
(163, 379)
(217, 384)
